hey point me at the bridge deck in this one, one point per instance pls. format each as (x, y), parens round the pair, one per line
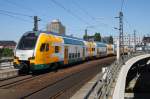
(139, 86)
(120, 84)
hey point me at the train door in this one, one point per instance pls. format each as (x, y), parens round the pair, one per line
(66, 55)
(98, 53)
(83, 52)
(47, 53)
(41, 55)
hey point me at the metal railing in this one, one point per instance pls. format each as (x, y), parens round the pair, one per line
(102, 89)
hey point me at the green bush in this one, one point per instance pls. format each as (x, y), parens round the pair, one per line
(6, 52)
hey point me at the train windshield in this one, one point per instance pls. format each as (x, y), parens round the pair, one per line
(27, 42)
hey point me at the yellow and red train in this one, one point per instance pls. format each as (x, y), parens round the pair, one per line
(38, 50)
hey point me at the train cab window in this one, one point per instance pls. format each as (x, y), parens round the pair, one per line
(27, 42)
(47, 47)
(42, 48)
(56, 49)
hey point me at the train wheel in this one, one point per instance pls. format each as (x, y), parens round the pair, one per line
(25, 69)
(54, 67)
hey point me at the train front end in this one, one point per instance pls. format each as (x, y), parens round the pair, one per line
(24, 53)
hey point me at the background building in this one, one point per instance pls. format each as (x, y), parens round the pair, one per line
(56, 27)
(146, 42)
(7, 44)
(129, 40)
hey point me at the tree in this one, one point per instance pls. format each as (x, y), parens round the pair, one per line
(85, 37)
(97, 37)
(1, 51)
(6, 52)
(110, 40)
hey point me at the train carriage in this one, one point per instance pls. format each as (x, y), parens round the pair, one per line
(110, 49)
(36, 51)
(73, 50)
(101, 49)
(43, 50)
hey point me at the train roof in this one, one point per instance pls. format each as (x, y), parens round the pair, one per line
(101, 44)
(67, 39)
(73, 41)
(38, 33)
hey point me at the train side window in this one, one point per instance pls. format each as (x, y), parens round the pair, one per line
(93, 49)
(78, 54)
(75, 55)
(69, 55)
(47, 47)
(72, 55)
(86, 49)
(56, 49)
(42, 48)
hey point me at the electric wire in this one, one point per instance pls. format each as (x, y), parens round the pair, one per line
(69, 11)
(14, 17)
(16, 13)
(20, 6)
(82, 9)
(122, 4)
(87, 13)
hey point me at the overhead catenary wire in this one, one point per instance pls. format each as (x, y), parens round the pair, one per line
(88, 14)
(69, 11)
(14, 17)
(29, 9)
(83, 10)
(20, 6)
(122, 4)
(125, 19)
(129, 25)
(16, 13)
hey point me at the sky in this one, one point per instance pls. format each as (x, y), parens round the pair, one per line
(75, 15)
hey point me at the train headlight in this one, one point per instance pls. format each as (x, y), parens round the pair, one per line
(15, 57)
(31, 58)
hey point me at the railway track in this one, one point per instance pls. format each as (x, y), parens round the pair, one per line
(14, 80)
(61, 84)
(64, 93)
